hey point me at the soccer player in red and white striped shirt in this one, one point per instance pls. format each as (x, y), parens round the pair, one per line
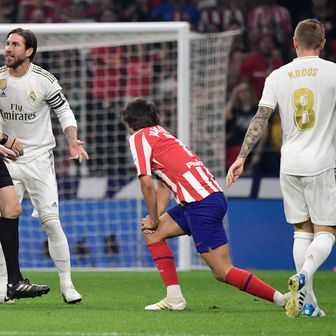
(199, 212)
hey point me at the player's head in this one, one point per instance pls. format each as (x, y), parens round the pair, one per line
(309, 35)
(139, 113)
(21, 44)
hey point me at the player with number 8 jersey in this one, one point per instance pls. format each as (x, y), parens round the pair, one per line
(304, 90)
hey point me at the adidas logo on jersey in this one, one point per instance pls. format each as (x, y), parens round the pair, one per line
(3, 94)
(54, 205)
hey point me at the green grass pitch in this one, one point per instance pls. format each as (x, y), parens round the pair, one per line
(113, 305)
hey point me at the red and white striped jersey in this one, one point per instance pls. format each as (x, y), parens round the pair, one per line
(155, 150)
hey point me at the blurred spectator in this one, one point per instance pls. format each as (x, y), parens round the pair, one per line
(257, 65)
(324, 11)
(166, 86)
(9, 11)
(82, 11)
(221, 15)
(203, 4)
(270, 156)
(40, 11)
(138, 11)
(269, 18)
(107, 15)
(239, 111)
(140, 73)
(233, 70)
(177, 10)
(37, 16)
(108, 11)
(106, 100)
(238, 42)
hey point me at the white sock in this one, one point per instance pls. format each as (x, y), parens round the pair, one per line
(174, 292)
(301, 242)
(317, 252)
(58, 249)
(279, 299)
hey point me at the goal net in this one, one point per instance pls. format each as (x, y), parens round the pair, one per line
(101, 67)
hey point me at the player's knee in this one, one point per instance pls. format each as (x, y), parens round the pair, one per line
(12, 210)
(50, 222)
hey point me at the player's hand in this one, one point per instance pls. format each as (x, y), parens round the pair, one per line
(77, 152)
(7, 154)
(14, 145)
(235, 171)
(148, 225)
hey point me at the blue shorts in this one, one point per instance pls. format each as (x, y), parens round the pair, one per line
(203, 220)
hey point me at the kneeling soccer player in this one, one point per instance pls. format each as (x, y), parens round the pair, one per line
(200, 209)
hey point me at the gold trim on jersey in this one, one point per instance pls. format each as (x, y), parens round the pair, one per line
(3, 84)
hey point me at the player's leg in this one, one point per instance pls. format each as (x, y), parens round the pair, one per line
(320, 196)
(316, 254)
(40, 182)
(3, 275)
(220, 264)
(303, 236)
(9, 227)
(165, 263)
(208, 232)
(19, 188)
(10, 210)
(297, 213)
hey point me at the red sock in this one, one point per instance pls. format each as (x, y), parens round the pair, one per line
(164, 260)
(250, 283)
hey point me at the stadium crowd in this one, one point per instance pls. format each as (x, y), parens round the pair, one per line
(264, 45)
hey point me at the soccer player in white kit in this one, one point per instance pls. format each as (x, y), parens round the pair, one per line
(305, 92)
(28, 93)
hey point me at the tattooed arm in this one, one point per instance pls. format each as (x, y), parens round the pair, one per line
(255, 131)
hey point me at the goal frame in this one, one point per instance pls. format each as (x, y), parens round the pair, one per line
(182, 30)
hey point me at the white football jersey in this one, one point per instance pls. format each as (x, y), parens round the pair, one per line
(305, 92)
(25, 105)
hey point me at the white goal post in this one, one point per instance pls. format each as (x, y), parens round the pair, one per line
(100, 67)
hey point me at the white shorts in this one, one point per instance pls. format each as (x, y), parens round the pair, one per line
(38, 179)
(311, 197)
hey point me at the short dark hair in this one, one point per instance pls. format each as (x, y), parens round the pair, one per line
(139, 113)
(310, 33)
(29, 37)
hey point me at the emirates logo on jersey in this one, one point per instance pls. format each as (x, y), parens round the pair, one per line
(32, 96)
(3, 84)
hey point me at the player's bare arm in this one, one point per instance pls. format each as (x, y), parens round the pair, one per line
(77, 152)
(149, 193)
(11, 143)
(254, 133)
(163, 197)
(256, 130)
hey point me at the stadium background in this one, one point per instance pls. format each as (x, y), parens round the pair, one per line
(259, 234)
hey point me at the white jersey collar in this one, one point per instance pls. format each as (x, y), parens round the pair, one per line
(305, 57)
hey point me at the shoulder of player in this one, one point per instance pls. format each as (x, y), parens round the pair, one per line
(42, 73)
(150, 133)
